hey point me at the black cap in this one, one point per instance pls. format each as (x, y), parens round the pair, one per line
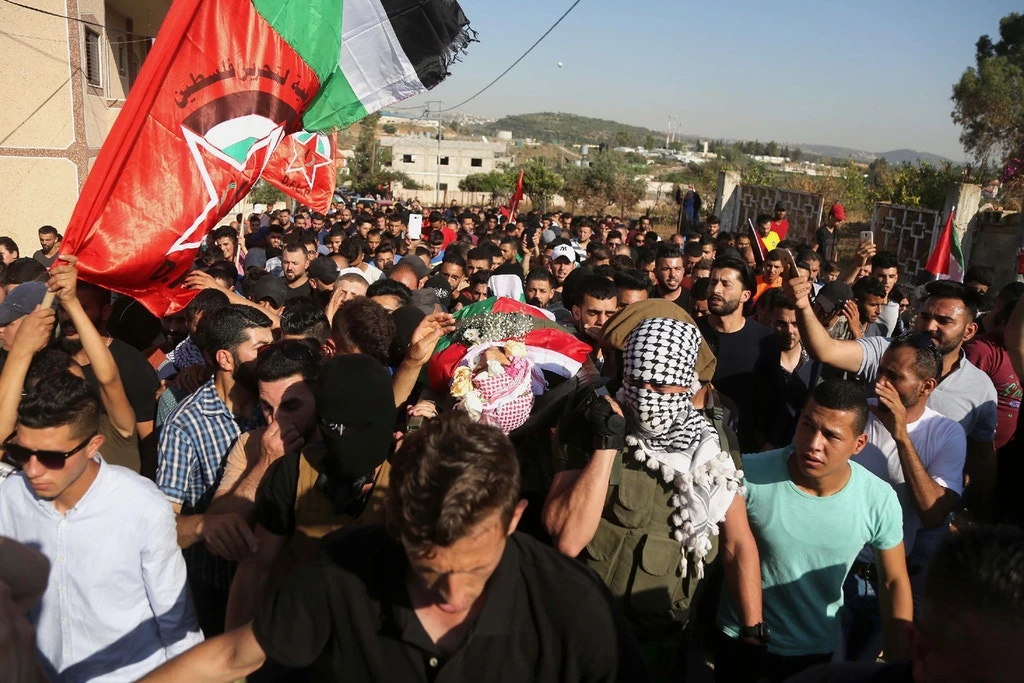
(356, 410)
(779, 206)
(442, 288)
(273, 288)
(324, 269)
(832, 294)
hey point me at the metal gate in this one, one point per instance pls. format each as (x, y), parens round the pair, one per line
(909, 233)
(803, 209)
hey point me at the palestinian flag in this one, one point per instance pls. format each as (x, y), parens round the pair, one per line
(225, 83)
(303, 167)
(511, 211)
(947, 259)
(548, 345)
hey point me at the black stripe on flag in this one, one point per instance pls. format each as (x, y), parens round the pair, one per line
(433, 34)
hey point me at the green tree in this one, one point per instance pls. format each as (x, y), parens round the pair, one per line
(389, 128)
(649, 142)
(987, 102)
(265, 193)
(540, 183)
(497, 183)
(622, 139)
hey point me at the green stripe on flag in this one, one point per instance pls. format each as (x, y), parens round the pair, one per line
(311, 27)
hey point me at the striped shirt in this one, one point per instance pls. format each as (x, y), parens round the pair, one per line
(194, 445)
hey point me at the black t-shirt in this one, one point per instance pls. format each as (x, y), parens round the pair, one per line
(138, 377)
(346, 614)
(683, 300)
(303, 291)
(737, 355)
(828, 243)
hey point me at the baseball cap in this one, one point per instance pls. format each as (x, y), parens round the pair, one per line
(548, 236)
(779, 206)
(419, 267)
(838, 212)
(563, 251)
(324, 269)
(355, 407)
(441, 288)
(22, 300)
(256, 258)
(270, 287)
(832, 294)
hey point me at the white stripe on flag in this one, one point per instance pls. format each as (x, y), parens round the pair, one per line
(372, 59)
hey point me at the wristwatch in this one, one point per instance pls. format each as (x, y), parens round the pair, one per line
(759, 631)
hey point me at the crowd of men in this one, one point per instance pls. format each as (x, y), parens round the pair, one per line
(776, 465)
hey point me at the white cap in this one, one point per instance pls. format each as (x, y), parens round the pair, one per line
(357, 271)
(564, 250)
(259, 208)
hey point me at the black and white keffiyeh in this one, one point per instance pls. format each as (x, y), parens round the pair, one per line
(666, 433)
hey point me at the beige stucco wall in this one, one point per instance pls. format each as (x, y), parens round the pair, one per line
(35, 78)
(44, 193)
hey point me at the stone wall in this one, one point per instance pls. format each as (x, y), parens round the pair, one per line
(908, 232)
(737, 201)
(995, 238)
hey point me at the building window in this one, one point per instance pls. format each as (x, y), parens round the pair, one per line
(443, 187)
(444, 161)
(408, 159)
(92, 58)
(476, 163)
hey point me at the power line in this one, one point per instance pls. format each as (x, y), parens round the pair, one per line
(79, 20)
(521, 58)
(502, 74)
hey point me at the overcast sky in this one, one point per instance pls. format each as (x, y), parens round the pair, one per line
(868, 74)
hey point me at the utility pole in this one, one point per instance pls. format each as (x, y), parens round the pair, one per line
(437, 184)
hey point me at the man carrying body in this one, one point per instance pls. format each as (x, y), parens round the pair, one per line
(610, 506)
(812, 511)
(452, 594)
(596, 303)
(294, 262)
(194, 445)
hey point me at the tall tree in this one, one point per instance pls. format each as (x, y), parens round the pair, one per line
(987, 102)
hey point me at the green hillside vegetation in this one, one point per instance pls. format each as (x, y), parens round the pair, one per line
(569, 129)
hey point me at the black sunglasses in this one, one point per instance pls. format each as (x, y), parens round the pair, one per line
(51, 460)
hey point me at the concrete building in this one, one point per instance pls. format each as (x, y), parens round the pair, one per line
(417, 157)
(65, 78)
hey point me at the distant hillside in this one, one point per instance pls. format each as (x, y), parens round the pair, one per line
(898, 156)
(574, 129)
(566, 128)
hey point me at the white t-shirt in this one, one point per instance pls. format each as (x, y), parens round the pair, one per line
(940, 444)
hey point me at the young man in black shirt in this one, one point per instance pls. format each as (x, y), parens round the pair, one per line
(452, 594)
(737, 341)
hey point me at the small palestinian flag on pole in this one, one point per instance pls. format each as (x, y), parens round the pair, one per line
(225, 83)
(303, 167)
(947, 259)
(756, 245)
(511, 211)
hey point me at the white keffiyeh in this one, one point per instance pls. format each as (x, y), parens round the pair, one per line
(666, 433)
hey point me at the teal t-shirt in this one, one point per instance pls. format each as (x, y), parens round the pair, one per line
(807, 545)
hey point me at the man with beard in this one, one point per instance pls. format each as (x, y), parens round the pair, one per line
(294, 262)
(670, 274)
(783, 376)
(195, 443)
(736, 340)
(619, 502)
(920, 453)
(964, 392)
(540, 292)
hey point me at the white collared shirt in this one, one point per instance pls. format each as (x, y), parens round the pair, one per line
(117, 604)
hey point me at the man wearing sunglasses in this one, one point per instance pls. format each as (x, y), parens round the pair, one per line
(117, 604)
